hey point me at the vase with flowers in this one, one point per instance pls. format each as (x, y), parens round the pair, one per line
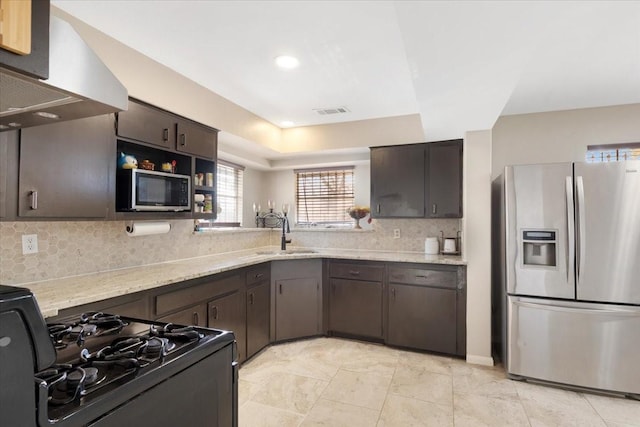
(357, 213)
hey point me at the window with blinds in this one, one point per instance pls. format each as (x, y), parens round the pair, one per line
(613, 152)
(229, 194)
(324, 195)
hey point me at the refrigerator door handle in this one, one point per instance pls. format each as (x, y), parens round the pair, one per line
(570, 227)
(581, 241)
(564, 308)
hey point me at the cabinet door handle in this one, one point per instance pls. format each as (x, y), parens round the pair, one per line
(251, 298)
(183, 140)
(165, 134)
(378, 208)
(34, 200)
(280, 287)
(420, 276)
(214, 312)
(434, 208)
(258, 275)
(354, 272)
(393, 293)
(196, 318)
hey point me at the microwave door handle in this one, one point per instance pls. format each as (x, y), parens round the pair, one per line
(582, 237)
(570, 226)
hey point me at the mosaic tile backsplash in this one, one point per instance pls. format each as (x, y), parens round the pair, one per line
(72, 248)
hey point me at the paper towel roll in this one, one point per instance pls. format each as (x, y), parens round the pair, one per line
(147, 228)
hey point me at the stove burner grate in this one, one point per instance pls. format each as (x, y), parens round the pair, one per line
(90, 324)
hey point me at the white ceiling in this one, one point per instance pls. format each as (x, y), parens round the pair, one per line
(459, 64)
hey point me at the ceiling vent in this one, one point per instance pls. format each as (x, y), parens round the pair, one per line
(337, 110)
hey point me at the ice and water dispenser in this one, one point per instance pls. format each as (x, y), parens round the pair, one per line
(539, 248)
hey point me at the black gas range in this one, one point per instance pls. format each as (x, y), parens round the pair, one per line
(111, 370)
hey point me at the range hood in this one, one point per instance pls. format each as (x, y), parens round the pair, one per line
(79, 85)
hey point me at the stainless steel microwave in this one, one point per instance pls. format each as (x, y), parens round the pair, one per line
(145, 190)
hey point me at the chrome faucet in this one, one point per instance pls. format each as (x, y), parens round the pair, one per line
(285, 229)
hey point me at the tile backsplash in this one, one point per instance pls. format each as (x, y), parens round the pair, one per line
(80, 247)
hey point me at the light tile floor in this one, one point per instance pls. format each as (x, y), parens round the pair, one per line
(336, 382)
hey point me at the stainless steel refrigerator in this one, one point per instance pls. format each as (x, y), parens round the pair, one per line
(570, 273)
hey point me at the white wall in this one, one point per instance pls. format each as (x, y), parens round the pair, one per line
(476, 228)
(561, 136)
(253, 189)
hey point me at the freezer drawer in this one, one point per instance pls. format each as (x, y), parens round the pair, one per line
(587, 345)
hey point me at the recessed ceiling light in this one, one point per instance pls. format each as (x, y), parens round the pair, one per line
(288, 62)
(286, 123)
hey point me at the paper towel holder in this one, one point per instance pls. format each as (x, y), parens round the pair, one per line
(147, 228)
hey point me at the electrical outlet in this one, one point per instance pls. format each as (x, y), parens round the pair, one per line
(29, 244)
(396, 233)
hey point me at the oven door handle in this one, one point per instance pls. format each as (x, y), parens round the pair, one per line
(43, 403)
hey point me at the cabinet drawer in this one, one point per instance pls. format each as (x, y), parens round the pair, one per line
(185, 297)
(258, 274)
(356, 271)
(419, 276)
(192, 316)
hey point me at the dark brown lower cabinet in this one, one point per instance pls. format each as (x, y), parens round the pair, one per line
(355, 307)
(258, 311)
(195, 315)
(427, 308)
(228, 313)
(297, 308)
(422, 317)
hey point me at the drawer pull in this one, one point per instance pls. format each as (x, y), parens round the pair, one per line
(258, 275)
(420, 276)
(251, 298)
(354, 272)
(165, 135)
(183, 140)
(196, 320)
(214, 312)
(434, 208)
(280, 287)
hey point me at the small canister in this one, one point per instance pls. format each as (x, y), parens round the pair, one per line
(431, 246)
(209, 179)
(208, 204)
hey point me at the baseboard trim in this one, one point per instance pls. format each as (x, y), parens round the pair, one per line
(479, 360)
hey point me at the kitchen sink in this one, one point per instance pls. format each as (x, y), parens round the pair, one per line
(287, 252)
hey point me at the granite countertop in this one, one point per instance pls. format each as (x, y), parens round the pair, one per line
(57, 294)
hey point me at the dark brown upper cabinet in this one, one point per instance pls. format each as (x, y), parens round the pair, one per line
(417, 180)
(196, 139)
(67, 169)
(397, 181)
(444, 179)
(146, 123)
